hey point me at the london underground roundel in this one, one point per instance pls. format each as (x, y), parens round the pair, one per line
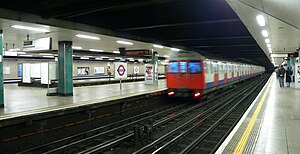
(120, 70)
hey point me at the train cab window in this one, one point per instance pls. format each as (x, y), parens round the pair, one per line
(182, 67)
(173, 67)
(195, 67)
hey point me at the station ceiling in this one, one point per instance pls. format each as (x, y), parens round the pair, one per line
(210, 27)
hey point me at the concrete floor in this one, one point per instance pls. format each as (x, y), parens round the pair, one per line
(280, 130)
(279, 124)
(20, 99)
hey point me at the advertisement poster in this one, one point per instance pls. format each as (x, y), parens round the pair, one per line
(98, 70)
(20, 70)
(83, 70)
(149, 75)
(297, 75)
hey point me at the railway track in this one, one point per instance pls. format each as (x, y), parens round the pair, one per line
(206, 131)
(158, 128)
(145, 131)
(103, 134)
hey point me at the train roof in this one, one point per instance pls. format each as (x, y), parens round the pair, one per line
(192, 55)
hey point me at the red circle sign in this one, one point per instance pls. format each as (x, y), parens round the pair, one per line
(121, 70)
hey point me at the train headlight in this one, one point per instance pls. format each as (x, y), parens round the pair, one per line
(197, 94)
(171, 93)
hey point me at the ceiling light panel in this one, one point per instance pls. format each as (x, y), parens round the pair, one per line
(175, 49)
(261, 20)
(30, 28)
(265, 33)
(88, 37)
(124, 42)
(95, 50)
(267, 40)
(158, 46)
(76, 47)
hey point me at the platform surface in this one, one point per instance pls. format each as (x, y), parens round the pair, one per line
(275, 129)
(27, 100)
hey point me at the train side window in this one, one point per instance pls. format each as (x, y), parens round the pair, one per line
(195, 67)
(173, 67)
(182, 67)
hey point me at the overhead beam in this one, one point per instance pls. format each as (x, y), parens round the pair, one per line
(212, 38)
(78, 10)
(234, 45)
(181, 24)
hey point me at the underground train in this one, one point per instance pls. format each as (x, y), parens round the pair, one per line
(190, 74)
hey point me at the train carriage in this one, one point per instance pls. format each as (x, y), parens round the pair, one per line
(192, 75)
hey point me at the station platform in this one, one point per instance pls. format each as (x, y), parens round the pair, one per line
(270, 125)
(22, 101)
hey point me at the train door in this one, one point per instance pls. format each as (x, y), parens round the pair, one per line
(229, 72)
(216, 75)
(221, 73)
(173, 75)
(183, 74)
(225, 70)
(209, 74)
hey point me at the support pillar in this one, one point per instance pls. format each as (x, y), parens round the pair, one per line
(1, 71)
(65, 68)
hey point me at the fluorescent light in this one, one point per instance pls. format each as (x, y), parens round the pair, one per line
(175, 49)
(267, 40)
(130, 58)
(30, 28)
(261, 20)
(269, 48)
(104, 57)
(88, 37)
(270, 51)
(46, 54)
(158, 46)
(98, 58)
(21, 53)
(96, 50)
(166, 56)
(75, 47)
(265, 33)
(118, 58)
(116, 51)
(84, 58)
(17, 49)
(124, 42)
(26, 55)
(269, 45)
(111, 59)
(87, 56)
(140, 60)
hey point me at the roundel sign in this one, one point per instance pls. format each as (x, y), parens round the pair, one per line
(120, 70)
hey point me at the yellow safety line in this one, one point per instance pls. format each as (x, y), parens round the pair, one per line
(75, 104)
(241, 145)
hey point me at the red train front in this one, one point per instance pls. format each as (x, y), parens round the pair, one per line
(185, 77)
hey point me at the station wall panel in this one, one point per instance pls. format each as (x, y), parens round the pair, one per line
(13, 65)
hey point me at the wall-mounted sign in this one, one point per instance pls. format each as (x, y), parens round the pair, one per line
(136, 70)
(120, 70)
(39, 44)
(140, 52)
